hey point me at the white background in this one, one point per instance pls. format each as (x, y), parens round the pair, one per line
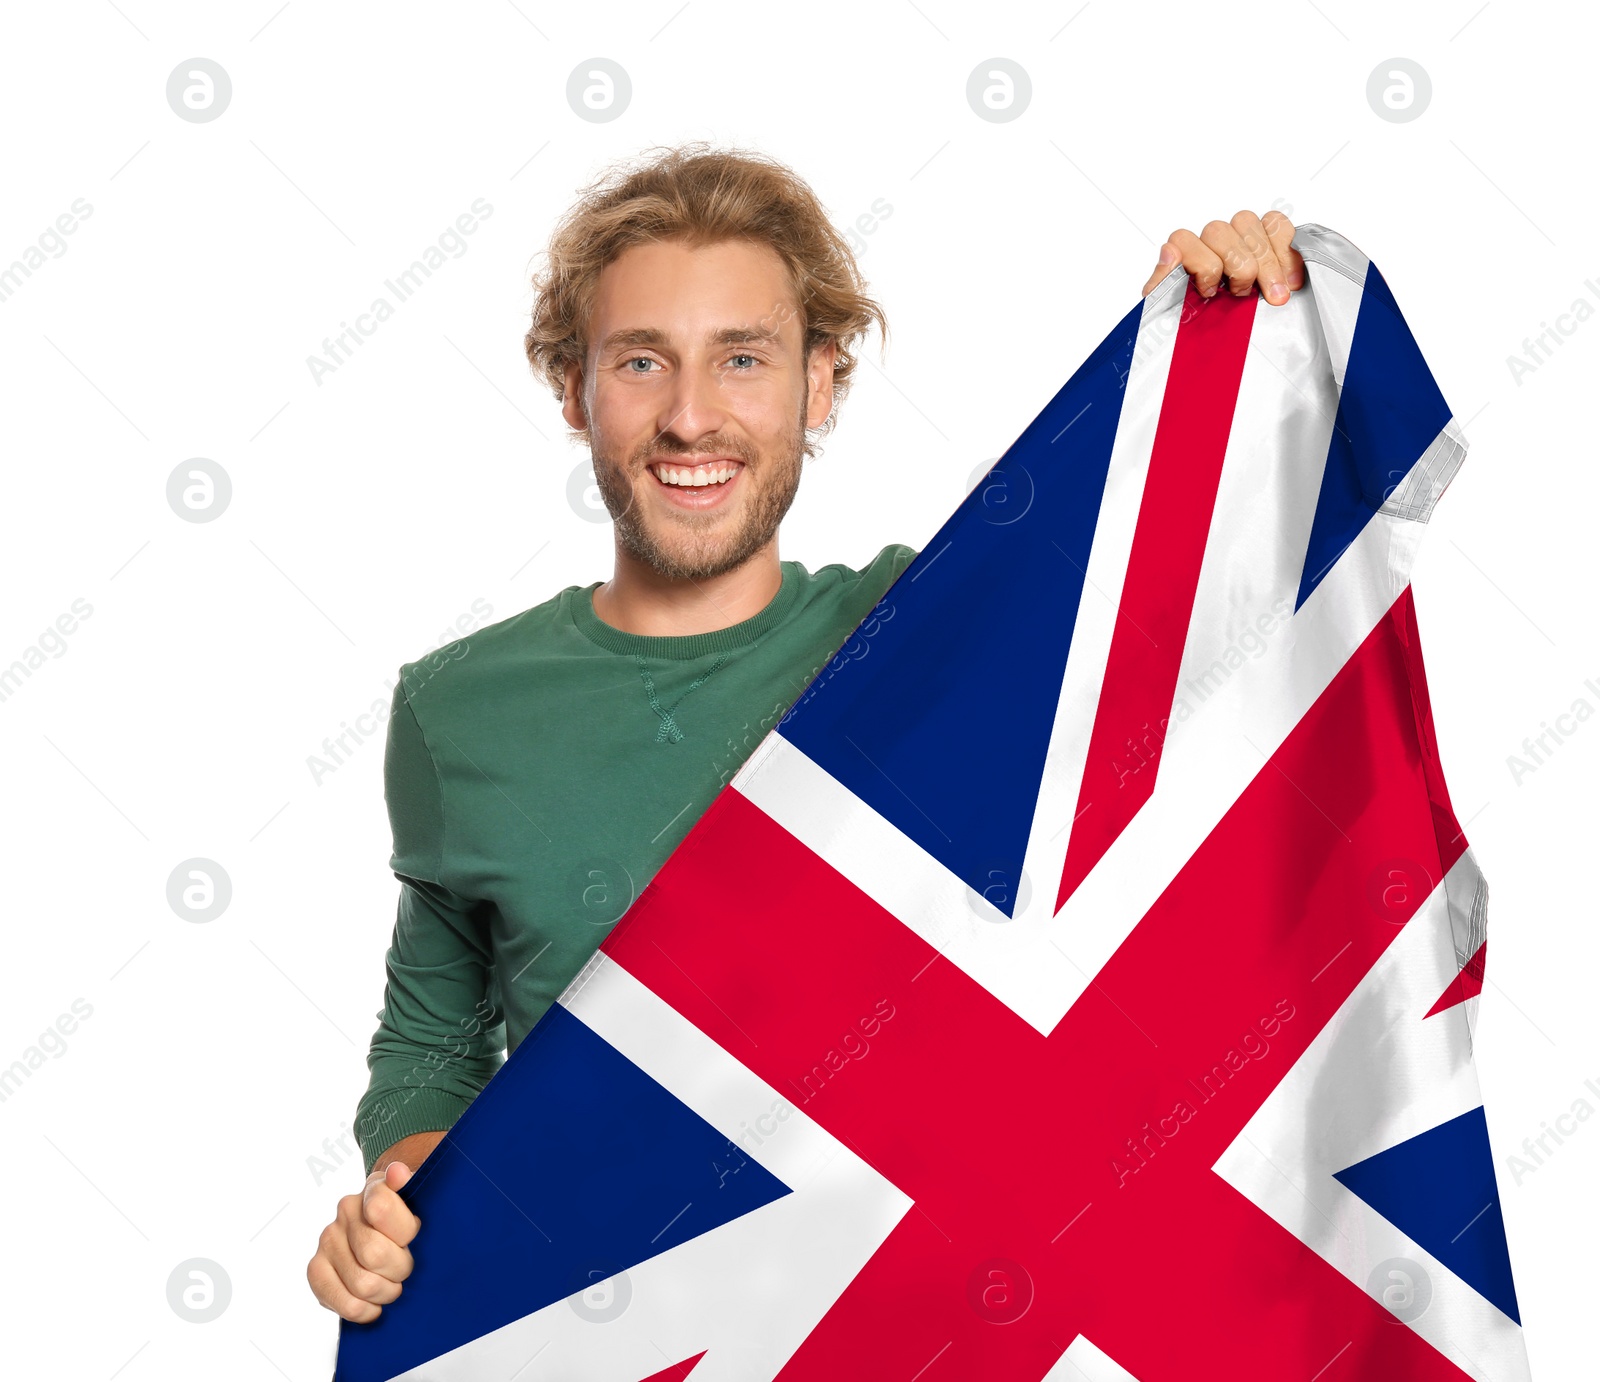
(369, 512)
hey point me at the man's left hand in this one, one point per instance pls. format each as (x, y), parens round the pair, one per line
(1248, 250)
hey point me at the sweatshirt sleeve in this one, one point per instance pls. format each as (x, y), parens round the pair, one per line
(441, 1033)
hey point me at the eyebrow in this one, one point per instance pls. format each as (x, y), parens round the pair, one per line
(653, 336)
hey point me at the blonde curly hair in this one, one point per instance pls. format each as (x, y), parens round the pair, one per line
(700, 195)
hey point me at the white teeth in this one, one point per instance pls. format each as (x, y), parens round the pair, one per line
(694, 479)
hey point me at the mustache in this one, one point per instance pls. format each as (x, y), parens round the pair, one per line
(658, 450)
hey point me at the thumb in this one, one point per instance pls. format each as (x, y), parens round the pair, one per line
(1168, 259)
(391, 1216)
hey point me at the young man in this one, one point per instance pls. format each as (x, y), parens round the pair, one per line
(695, 319)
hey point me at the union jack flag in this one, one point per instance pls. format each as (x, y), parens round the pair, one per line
(1079, 981)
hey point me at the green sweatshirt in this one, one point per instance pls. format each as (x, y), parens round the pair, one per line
(537, 773)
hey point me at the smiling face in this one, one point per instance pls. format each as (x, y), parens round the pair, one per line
(696, 394)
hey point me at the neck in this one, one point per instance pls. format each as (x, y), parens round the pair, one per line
(639, 599)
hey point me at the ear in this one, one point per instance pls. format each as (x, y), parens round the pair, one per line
(572, 398)
(819, 383)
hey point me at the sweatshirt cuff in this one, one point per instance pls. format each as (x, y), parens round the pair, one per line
(382, 1119)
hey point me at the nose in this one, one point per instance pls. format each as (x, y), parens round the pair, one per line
(694, 407)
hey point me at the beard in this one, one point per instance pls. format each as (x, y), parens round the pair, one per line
(694, 546)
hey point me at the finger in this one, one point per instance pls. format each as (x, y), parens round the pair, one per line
(1258, 244)
(1280, 230)
(357, 1280)
(334, 1247)
(1168, 260)
(1200, 260)
(378, 1253)
(1237, 262)
(330, 1292)
(384, 1210)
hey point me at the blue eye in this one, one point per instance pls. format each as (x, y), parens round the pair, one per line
(750, 358)
(637, 360)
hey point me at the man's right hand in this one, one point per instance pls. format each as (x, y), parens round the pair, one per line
(362, 1255)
